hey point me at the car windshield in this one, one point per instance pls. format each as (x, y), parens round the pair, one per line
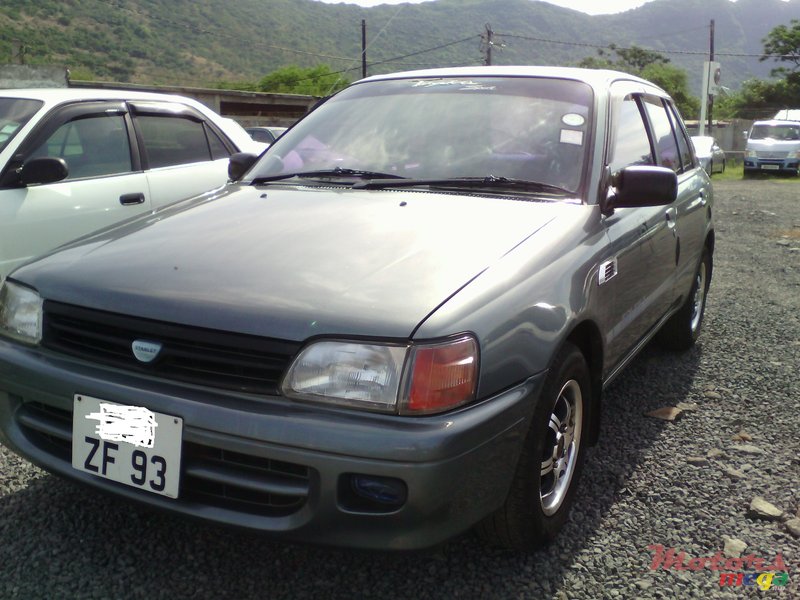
(776, 132)
(529, 129)
(14, 114)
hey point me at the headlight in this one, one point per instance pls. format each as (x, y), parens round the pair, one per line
(750, 153)
(417, 379)
(20, 313)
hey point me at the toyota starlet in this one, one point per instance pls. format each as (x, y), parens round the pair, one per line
(394, 325)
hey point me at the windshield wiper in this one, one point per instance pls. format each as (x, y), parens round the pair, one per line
(489, 181)
(324, 173)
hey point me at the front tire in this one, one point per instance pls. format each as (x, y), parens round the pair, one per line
(681, 331)
(550, 462)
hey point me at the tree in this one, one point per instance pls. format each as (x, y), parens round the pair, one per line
(649, 65)
(782, 45)
(317, 81)
(760, 99)
(675, 82)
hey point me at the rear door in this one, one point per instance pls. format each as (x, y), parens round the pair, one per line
(183, 152)
(104, 185)
(693, 208)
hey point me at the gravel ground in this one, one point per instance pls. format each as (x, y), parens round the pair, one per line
(684, 484)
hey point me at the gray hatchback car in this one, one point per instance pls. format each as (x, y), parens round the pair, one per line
(394, 325)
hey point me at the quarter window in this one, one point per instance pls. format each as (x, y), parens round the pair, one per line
(631, 144)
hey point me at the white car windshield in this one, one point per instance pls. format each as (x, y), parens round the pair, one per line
(776, 132)
(14, 114)
(531, 129)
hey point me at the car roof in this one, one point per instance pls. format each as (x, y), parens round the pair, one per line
(54, 96)
(777, 122)
(788, 114)
(597, 78)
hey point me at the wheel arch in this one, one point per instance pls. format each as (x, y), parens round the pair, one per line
(587, 338)
(709, 245)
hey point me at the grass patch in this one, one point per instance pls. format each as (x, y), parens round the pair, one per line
(734, 171)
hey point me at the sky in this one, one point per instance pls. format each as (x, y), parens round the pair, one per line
(591, 7)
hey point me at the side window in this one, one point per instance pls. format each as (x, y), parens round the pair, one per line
(172, 141)
(666, 145)
(92, 146)
(631, 145)
(684, 144)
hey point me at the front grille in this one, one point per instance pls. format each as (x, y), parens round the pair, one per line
(209, 476)
(772, 155)
(189, 354)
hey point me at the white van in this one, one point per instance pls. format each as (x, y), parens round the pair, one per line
(773, 146)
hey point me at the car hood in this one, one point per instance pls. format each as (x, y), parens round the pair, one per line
(770, 144)
(292, 263)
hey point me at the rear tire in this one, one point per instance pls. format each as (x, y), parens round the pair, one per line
(681, 331)
(550, 462)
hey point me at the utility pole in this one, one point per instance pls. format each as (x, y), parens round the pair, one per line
(709, 97)
(489, 34)
(363, 47)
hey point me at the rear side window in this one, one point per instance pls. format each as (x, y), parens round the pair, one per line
(172, 141)
(665, 143)
(631, 145)
(92, 147)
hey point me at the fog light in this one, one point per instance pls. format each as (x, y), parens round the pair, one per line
(386, 491)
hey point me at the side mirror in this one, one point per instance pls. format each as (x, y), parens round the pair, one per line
(643, 186)
(43, 170)
(239, 164)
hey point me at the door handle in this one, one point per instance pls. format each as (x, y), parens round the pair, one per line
(131, 199)
(671, 214)
(703, 200)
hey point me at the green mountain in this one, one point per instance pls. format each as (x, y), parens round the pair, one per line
(203, 42)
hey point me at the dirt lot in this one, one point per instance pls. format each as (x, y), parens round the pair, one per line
(686, 485)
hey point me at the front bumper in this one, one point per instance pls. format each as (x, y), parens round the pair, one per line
(238, 450)
(786, 165)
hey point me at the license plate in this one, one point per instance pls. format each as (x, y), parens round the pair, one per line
(771, 167)
(127, 444)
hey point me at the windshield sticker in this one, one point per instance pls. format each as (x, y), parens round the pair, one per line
(464, 85)
(573, 119)
(570, 136)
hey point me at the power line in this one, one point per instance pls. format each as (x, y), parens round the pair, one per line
(453, 43)
(684, 52)
(397, 59)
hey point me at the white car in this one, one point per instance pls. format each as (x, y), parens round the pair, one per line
(76, 160)
(708, 152)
